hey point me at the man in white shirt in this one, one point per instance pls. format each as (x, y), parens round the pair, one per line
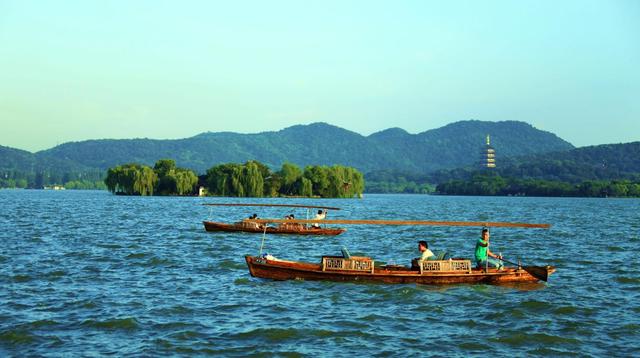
(321, 215)
(424, 249)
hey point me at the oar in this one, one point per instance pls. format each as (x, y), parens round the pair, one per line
(538, 272)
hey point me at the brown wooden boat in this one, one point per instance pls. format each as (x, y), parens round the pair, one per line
(363, 269)
(285, 228)
(360, 268)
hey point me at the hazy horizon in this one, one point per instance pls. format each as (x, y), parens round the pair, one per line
(121, 70)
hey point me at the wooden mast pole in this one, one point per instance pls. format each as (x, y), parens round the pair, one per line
(406, 223)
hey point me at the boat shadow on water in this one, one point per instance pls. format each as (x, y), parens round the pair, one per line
(507, 286)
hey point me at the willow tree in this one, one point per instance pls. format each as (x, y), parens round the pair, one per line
(173, 180)
(167, 181)
(164, 167)
(255, 179)
(344, 182)
(319, 177)
(226, 180)
(145, 181)
(236, 187)
(306, 187)
(217, 177)
(272, 185)
(252, 180)
(290, 173)
(131, 179)
(120, 179)
(186, 181)
(111, 181)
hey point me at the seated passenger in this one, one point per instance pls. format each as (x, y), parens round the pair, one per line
(296, 226)
(284, 224)
(423, 247)
(254, 224)
(425, 254)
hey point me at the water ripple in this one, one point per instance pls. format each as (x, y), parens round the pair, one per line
(139, 276)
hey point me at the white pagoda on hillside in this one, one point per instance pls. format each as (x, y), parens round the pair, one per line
(488, 158)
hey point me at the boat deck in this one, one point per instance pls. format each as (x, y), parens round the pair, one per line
(333, 268)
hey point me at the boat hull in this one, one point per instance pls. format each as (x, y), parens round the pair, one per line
(290, 270)
(215, 226)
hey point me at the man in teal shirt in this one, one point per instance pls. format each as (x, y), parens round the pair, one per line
(484, 255)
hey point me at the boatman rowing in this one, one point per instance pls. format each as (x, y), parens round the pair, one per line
(484, 255)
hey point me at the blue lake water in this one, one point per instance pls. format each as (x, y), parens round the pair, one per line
(89, 273)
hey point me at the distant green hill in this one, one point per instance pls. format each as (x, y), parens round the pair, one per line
(607, 161)
(16, 159)
(611, 170)
(451, 146)
(454, 145)
(19, 168)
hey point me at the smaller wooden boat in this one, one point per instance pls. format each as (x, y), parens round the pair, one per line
(285, 226)
(287, 229)
(363, 269)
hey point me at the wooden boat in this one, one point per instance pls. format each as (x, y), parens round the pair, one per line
(290, 229)
(286, 227)
(360, 268)
(363, 269)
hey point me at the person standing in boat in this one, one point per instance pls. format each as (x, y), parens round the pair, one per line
(484, 255)
(321, 215)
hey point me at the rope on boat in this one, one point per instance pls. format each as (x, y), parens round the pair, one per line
(264, 236)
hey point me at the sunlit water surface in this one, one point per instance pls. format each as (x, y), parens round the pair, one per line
(89, 273)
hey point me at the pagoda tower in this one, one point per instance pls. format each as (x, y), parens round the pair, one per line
(488, 158)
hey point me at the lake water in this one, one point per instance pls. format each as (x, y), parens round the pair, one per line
(89, 273)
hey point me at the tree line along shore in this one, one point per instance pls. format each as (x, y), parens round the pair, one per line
(255, 179)
(491, 184)
(251, 179)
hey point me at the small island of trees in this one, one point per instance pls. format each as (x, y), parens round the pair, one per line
(251, 179)
(163, 179)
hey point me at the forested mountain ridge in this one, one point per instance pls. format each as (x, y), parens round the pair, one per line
(459, 144)
(606, 161)
(598, 162)
(454, 145)
(16, 159)
(393, 160)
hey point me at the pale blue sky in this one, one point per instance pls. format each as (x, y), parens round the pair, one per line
(75, 70)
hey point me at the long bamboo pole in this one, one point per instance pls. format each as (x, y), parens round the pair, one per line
(404, 222)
